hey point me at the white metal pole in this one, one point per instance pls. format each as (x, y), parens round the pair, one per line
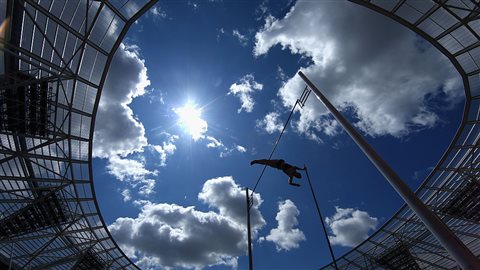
(444, 235)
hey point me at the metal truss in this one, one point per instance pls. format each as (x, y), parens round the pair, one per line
(49, 215)
(452, 190)
(56, 55)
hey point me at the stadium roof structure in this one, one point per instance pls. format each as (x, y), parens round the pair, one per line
(452, 190)
(56, 55)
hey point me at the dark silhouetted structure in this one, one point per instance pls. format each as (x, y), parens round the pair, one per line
(449, 190)
(398, 258)
(54, 57)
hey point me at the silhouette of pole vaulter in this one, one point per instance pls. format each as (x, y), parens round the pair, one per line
(280, 164)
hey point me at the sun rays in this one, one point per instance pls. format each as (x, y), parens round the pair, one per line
(190, 119)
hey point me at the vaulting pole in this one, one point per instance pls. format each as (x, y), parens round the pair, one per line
(250, 259)
(321, 218)
(444, 235)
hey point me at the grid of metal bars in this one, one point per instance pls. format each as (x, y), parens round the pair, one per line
(68, 45)
(452, 189)
(55, 57)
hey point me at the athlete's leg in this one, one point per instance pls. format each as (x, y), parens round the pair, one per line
(268, 162)
(290, 181)
(292, 172)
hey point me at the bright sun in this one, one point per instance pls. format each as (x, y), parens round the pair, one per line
(190, 118)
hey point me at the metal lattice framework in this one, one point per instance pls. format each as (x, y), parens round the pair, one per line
(452, 189)
(56, 54)
(54, 57)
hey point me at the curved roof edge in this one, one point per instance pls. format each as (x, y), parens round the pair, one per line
(56, 56)
(97, 101)
(452, 28)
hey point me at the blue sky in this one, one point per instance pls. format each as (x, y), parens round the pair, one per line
(169, 182)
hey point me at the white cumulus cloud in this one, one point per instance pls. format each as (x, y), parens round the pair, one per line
(117, 131)
(375, 69)
(127, 169)
(285, 236)
(241, 149)
(166, 149)
(225, 151)
(225, 195)
(134, 173)
(170, 235)
(214, 142)
(350, 226)
(126, 194)
(270, 123)
(147, 187)
(244, 89)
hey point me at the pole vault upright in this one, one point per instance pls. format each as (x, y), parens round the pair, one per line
(444, 235)
(249, 234)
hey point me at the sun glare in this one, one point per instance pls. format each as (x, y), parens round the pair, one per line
(190, 119)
